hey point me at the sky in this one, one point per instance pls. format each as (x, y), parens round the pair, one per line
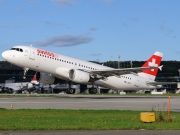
(93, 30)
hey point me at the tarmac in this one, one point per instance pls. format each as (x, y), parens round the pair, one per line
(90, 102)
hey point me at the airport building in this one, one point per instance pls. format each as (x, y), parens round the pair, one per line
(171, 88)
(15, 74)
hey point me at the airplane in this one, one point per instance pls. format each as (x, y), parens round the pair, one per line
(16, 87)
(51, 67)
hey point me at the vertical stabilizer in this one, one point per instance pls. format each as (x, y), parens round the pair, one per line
(154, 60)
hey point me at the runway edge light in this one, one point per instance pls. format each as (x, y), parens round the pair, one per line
(147, 116)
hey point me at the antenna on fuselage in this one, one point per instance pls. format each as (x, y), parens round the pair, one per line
(119, 66)
(131, 63)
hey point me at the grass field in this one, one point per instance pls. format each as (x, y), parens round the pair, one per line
(54, 119)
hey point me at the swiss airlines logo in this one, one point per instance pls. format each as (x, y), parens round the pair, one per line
(153, 63)
(46, 53)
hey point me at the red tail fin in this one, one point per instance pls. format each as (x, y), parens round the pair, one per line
(154, 60)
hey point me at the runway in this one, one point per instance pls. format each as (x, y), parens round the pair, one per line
(90, 102)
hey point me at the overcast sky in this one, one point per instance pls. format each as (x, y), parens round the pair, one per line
(93, 30)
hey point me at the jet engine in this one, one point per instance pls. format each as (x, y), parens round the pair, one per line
(63, 72)
(79, 76)
(45, 78)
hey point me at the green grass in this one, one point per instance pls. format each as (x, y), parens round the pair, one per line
(54, 119)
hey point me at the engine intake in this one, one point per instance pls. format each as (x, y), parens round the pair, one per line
(79, 76)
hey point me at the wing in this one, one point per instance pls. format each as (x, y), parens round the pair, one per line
(117, 72)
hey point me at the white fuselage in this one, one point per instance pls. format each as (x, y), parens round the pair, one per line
(40, 60)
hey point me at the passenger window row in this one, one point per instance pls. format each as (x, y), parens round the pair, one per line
(125, 77)
(87, 67)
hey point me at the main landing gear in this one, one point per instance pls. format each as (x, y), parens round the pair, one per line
(70, 90)
(92, 90)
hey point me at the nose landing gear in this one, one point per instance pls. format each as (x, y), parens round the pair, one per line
(25, 72)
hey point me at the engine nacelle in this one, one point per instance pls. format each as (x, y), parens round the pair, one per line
(63, 72)
(79, 76)
(45, 78)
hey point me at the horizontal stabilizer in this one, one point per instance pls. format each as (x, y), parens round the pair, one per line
(160, 67)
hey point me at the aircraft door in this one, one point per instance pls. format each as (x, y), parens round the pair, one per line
(136, 81)
(32, 53)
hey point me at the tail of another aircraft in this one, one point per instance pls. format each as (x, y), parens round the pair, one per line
(34, 81)
(154, 60)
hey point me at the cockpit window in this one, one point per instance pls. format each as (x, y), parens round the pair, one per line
(17, 49)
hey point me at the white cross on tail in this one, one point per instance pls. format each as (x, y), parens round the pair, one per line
(153, 63)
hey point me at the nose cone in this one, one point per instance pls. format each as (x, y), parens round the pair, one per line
(5, 55)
